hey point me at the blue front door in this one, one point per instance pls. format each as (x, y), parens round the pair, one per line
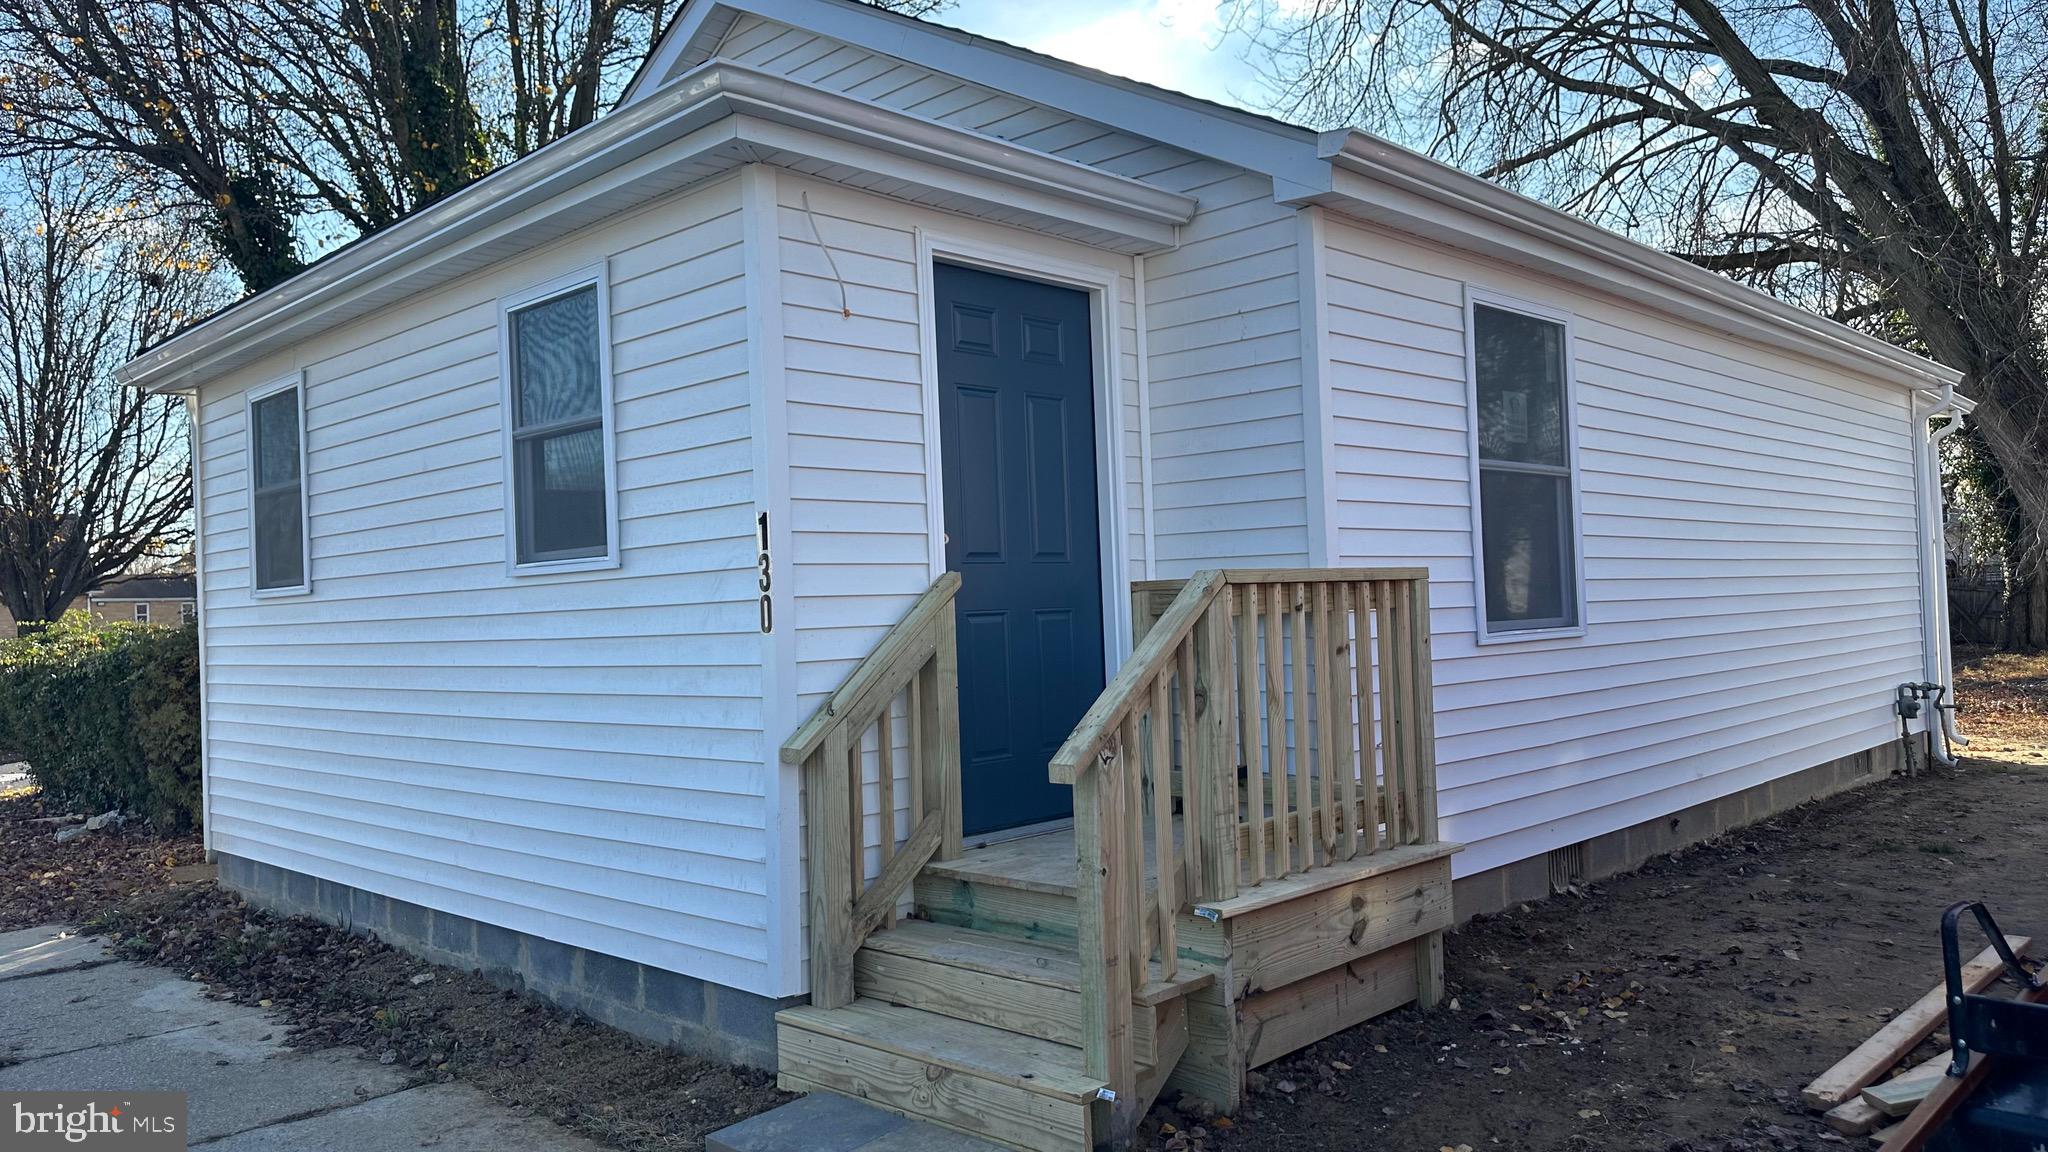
(1017, 435)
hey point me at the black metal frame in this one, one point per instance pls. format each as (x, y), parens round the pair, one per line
(1988, 1024)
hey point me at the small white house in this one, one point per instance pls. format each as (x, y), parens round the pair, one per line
(534, 525)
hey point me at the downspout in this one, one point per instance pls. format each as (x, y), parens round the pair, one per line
(1936, 661)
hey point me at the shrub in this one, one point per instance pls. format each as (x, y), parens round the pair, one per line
(108, 716)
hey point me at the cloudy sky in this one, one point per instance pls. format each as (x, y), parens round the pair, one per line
(1178, 44)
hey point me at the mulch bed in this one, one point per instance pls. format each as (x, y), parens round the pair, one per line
(44, 882)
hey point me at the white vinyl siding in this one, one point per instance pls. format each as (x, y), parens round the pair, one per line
(575, 756)
(1222, 306)
(1228, 435)
(1749, 543)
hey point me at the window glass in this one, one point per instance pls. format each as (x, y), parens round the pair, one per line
(555, 346)
(558, 429)
(1526, 523)
(1520, 366)
(278, 530)
(142, 613)
(1526, 517)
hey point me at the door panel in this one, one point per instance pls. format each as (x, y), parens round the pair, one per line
(1017, 436)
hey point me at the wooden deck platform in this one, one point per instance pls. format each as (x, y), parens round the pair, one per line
(1218, 902)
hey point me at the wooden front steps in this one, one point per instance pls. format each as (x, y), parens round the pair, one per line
(1017, 1090)
(979, 1032)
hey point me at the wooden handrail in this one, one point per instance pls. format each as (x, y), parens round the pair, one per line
(876, 669)
(1134, 678)
(917, 658)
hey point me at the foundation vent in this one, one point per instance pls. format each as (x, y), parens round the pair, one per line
(1567, 867)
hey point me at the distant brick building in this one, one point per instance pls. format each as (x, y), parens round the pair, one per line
(167, 599)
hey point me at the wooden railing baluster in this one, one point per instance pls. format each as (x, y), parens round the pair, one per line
(1248, 728)
(1166, 865)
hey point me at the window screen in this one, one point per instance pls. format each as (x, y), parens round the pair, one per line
(279, 532)
(1525, 478)
(558, 457)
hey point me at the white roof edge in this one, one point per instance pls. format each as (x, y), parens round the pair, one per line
(668, 112)
(1386, 162)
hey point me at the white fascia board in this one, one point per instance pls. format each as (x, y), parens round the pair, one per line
(721, 111)
(1384, 182)
(1257, 143)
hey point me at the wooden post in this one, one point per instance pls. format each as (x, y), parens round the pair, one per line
(1106, 1052)
(1429, 970)
(1215, 742)
(1425, 716)
(1393, 723)
(831, 909)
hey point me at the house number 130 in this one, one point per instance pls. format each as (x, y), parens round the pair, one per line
(767, 579)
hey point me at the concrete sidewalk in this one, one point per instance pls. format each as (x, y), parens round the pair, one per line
(74, 1018)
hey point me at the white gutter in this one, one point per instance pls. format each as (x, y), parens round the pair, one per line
(1587, 253)
(720, 110)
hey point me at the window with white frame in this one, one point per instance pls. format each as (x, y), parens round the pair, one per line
(559, 388)
(277, 490)
(187, 613)
(142, 612)
(1526, 516)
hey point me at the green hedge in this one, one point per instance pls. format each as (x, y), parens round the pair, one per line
(108, 716)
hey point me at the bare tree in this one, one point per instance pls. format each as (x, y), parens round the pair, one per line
(93, 475)
(295, 125)
(1882, 161)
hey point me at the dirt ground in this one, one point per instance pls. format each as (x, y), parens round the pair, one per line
(1677, 1009)
(1681, 1008)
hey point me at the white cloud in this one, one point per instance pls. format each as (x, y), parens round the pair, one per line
(1177, 44)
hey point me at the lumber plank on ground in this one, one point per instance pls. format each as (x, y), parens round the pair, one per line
(1859, 1116)
(1903, 1033)
(1897, 1096)
(1912, 1133)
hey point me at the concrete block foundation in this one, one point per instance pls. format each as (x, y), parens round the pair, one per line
(668, 1008)
(1526, 881)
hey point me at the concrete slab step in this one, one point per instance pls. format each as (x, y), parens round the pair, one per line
(829, 1122)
